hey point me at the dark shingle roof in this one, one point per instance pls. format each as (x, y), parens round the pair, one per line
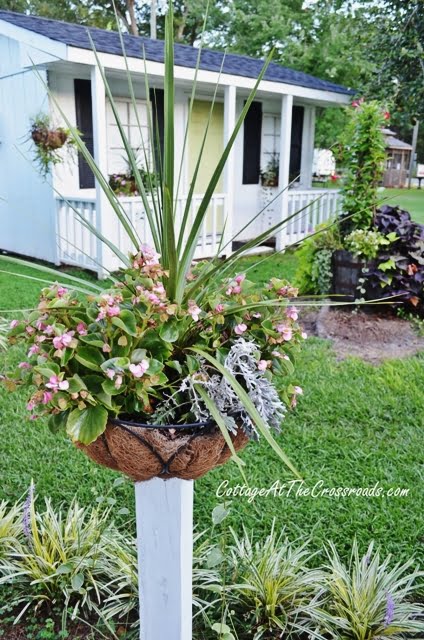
(185, 56)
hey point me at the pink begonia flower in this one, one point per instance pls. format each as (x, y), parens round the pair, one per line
(31, 405)
(110, 373)
(60, 342)
(61, 291)
(33, 416)
(287, 332)
(149, 254)
(159, 289)
(49, 329)
(257, 314)
(82, 328)
(40, 338)
(40, 323)
(138, 370)
(24, 365)
(194, 310)
(56, 384)
(30, 330)
(118, 381)
(47, 396)
(292, 313)
(33, 350)
(304, 335)
(262, 365)
(239, 279)
(219, 308)
(106, 348)
(153, 298)
(229, 291)
(240, 329)
(298, 391)
(237, 289)
(14, 324)
(113, 311)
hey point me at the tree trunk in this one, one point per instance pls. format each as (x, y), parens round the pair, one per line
(133, 21)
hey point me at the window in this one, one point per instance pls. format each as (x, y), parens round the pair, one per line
(252, 144)
(136, 130)
(84, 118)
(271, 127)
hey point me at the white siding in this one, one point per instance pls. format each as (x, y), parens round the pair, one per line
(27, 211)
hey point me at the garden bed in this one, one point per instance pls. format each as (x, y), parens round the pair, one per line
(372, 336)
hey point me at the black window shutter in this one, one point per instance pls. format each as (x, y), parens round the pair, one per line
(296, 142)
(84, 114)
(157, 100)
(252, 144)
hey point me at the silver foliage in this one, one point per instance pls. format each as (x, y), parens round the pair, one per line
(242, 363)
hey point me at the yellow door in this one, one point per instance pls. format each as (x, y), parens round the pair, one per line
(214, 142)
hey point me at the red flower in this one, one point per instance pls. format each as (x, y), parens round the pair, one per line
(386, 115)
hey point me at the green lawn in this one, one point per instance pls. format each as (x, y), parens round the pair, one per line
(410, 199)
(355, 426)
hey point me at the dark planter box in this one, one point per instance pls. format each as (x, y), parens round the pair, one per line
(347, 270)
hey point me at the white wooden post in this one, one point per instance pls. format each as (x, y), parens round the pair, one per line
(164, 511)
(283, 176)
(98, 99)
(229, 171)
(308, 144)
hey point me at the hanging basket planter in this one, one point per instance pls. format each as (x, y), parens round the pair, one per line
(143, 451)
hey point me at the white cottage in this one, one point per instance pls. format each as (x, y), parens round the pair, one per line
(36, 215)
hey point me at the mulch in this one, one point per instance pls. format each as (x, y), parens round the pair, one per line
(373, 336)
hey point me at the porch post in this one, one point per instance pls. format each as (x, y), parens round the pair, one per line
(98, 99)
(283, 176)
(229, 170)
(164, 513)
(308, 145)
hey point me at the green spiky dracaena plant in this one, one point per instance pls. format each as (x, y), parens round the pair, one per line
(169, 342)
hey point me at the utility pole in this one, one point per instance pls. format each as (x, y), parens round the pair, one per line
(413, 152)
(153, 33)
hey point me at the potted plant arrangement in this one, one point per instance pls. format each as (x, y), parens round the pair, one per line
(269, 175)
(48, 141)
(173, 368)
(363, 154)
(124, 184)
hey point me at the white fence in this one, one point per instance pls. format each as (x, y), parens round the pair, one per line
(314, 206)
(78, 246)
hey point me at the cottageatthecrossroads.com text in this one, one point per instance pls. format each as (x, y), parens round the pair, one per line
(299, 489)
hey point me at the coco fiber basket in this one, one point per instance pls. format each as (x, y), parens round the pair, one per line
(143, 451)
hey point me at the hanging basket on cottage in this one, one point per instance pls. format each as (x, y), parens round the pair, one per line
(144, 451)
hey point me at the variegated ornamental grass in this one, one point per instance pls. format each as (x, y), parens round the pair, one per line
(160, 344)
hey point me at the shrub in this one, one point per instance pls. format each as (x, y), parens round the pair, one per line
(272, 588)
(367, 243)
(400, 268)
(315, 273)
(368, 600)
(60, 560)
(363, 154)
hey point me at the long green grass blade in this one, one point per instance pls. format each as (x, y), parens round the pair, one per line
(63, 284)
(151, 188)
(169, 253)
(221, 424)
(53, 272)
(132, 160)
(249, 407)
(191, 243)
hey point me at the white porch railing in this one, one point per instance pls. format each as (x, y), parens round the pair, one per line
(314, 206)
(78, 246)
